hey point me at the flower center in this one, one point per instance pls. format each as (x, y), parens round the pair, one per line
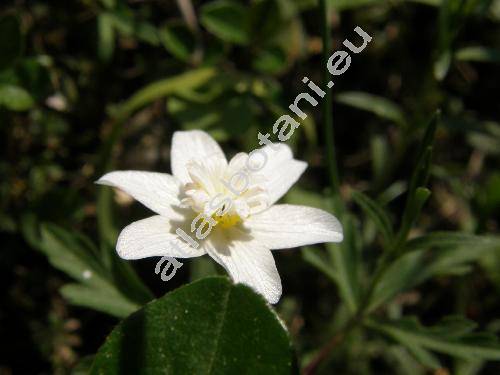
(228, 193)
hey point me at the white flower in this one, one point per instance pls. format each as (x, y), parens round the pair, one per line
(241, 204)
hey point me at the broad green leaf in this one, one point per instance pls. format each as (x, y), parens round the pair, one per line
(378, 105)
(454, 336)
(83, 365)
(228, 20)
(479, 54)
(15, 98)
(208, 327)
(11, 42)
(375, 212)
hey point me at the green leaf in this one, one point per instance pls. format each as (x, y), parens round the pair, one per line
(34, 77)
(314, 257)
(209, 326)
(346, 263)
(400, 276)
(440, 240)
(106, 37)
(431, 255)
(382, 160)
(404, 362)
(378, 105)
(424, 150)
(271, 60)
(108, 232)
(11, 41)
(104, 300)
(83, 366)
(122, 272)
(478, 54)
(442, 65)
(417, 194)
(116, 291)
(412, 211)
(15, 98)
(228, 20)
(453, 336)
(73, 254)
(487, 143)
(147, 32)
(201, 267)
(162, 88)
(352, 4)
(423, 356)
(178, 40)
(375, 212)
(299, 196)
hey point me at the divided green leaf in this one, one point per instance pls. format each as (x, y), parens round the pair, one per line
(453, 335)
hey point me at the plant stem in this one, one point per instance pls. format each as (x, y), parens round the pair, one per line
(352, 323)
(337, 339)
(327, 101)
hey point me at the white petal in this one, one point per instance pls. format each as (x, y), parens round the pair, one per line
(281, 171)
(284, 226)
(192, 145)
(248, 263)
(157, 191)
(154, 236)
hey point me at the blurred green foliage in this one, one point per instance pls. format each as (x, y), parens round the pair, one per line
(87, 86)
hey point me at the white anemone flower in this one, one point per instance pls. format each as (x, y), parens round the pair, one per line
(239, 202)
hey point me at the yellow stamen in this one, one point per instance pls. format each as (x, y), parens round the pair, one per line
(226, 221)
